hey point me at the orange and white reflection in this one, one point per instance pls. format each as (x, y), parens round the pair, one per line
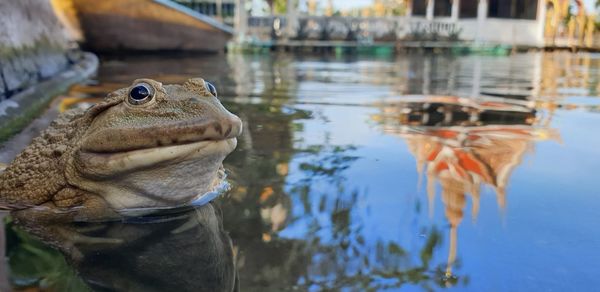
(462, 145)
(462, 159)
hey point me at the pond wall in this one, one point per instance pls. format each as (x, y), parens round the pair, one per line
(33, 45)
(37, 61)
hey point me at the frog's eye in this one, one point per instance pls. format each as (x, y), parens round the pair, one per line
(211, 88)
(141, 93)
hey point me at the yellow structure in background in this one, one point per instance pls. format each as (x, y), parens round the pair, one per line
(67, 14)
(329, 11)
(312, 7)
(379, 8)
(564, 29)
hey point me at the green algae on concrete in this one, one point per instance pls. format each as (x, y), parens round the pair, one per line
(23, 67)
(32, 101)
(38, 60)
(33, 45)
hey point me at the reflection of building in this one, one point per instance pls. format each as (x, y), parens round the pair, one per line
(464, 159)
(463, 145)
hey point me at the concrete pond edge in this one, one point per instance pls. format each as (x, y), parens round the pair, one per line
(18, 111)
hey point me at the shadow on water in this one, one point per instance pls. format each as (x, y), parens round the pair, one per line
(324, 193)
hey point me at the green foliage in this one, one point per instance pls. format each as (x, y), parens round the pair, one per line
(34, 109)
(279, 6)
(568, 15)
(399, 10)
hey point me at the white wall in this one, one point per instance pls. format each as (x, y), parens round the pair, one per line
(503, 31)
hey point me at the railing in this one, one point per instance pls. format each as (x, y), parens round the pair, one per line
(353, 29)
(421, 29)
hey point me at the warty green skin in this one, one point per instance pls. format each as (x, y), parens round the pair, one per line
(118, 156)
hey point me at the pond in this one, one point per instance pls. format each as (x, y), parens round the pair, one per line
(419, 172)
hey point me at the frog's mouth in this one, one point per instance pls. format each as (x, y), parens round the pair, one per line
(123, 139)
(98, 164)
(113, 151)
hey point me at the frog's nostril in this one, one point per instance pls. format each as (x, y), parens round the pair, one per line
(218, 128)
(228, 130)
(235, 127)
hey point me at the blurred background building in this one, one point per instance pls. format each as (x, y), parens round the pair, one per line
(417, 23)
(396, 24)
(222, 10)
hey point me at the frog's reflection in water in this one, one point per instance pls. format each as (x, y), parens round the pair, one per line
(179, 250)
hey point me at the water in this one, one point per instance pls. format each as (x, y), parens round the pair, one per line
(350, 177)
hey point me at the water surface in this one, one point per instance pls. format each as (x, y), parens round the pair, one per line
(350, 176)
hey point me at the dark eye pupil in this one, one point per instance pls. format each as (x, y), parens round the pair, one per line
(139, 92)
(211, 89)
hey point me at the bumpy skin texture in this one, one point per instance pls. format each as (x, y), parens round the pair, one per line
(119, 154)
(37, 174)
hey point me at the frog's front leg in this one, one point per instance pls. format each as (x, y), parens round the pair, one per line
(68, 205)
(51, 220)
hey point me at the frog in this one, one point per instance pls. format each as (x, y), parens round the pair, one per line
(144, 147)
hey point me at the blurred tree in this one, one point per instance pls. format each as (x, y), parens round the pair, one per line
(280, 6)
(277, 6)
(597, 23)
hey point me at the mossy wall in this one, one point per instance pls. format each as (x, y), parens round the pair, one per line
(33, 45)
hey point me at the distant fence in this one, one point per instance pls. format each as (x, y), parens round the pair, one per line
(355, 29)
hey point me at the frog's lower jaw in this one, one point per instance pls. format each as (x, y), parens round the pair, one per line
(151, 178)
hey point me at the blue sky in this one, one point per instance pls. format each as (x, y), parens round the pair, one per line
(589, 4)
(345, 4)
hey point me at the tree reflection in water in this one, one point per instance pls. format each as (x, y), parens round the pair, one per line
(280, 184)
(332, 251)
(293, 220)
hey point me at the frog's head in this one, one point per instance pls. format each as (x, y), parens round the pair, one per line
(151, 145)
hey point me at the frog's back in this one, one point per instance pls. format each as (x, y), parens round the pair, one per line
(37, 174)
